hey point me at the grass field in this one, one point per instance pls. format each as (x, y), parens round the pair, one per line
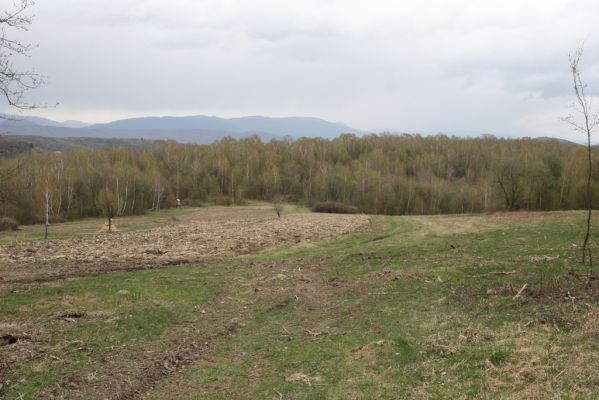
(412, 307)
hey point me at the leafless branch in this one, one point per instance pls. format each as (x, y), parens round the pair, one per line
(590, 119)
(15, 83)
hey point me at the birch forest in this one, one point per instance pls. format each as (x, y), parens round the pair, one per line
(379, 174)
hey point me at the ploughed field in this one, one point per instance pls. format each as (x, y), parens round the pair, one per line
(194, 236)
(234, 303)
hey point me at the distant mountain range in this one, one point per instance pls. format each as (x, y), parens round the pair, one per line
(199, 129)
(191, 129)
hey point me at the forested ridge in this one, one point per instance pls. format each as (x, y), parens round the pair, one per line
(381, 174)
(12, 146)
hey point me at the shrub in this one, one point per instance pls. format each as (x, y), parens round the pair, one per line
(220, 200)
(192, 202)
(56, 220)
(334, 207)
(8, 224)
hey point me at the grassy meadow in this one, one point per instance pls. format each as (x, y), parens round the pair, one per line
(433, 307)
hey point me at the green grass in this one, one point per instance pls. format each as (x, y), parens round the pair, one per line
(121, 309)
(417, 307)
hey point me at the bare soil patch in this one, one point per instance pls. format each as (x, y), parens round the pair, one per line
(19, 343)
(202, 236)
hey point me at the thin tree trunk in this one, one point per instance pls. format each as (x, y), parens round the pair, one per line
(232, 188)
(69, 194)
(47, 213)
(155, 197)
(58, 208)
(122, 211)
(590, 203)
(561, 193)
(118, 196)
(407, 212)
(178, 184)
(133, 199)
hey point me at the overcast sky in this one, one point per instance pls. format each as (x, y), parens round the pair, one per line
(459, 66)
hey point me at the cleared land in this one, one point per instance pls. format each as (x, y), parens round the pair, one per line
(400, 307)
(198, 235)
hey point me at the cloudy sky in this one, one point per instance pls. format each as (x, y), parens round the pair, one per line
(458, 67)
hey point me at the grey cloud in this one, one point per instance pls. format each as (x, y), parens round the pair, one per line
(279, 32)
(402, 65)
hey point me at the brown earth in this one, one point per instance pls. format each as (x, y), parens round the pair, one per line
(199, 237)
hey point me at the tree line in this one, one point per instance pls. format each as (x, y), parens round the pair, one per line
(379, 174)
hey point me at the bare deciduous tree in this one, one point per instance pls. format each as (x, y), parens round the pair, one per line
(586, 122)
(278, 204)
(47, 211)
(107, 202)
(14, 83)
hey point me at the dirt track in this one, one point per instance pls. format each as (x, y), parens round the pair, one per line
(223, 233)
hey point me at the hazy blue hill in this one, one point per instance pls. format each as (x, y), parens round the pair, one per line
(562, 141)
(23, 120)
(201, 129)
(192, 129)
(170, 123)
(32, 129)
(48, 122)
(294, 126)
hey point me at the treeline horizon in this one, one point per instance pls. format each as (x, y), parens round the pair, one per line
(379, 174)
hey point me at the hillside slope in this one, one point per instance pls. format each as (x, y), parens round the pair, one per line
(199, 129)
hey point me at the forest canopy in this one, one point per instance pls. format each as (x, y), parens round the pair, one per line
(379, 174)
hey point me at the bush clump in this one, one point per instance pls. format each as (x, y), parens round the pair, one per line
(334, 207)
(220, 200)
(8, 224)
